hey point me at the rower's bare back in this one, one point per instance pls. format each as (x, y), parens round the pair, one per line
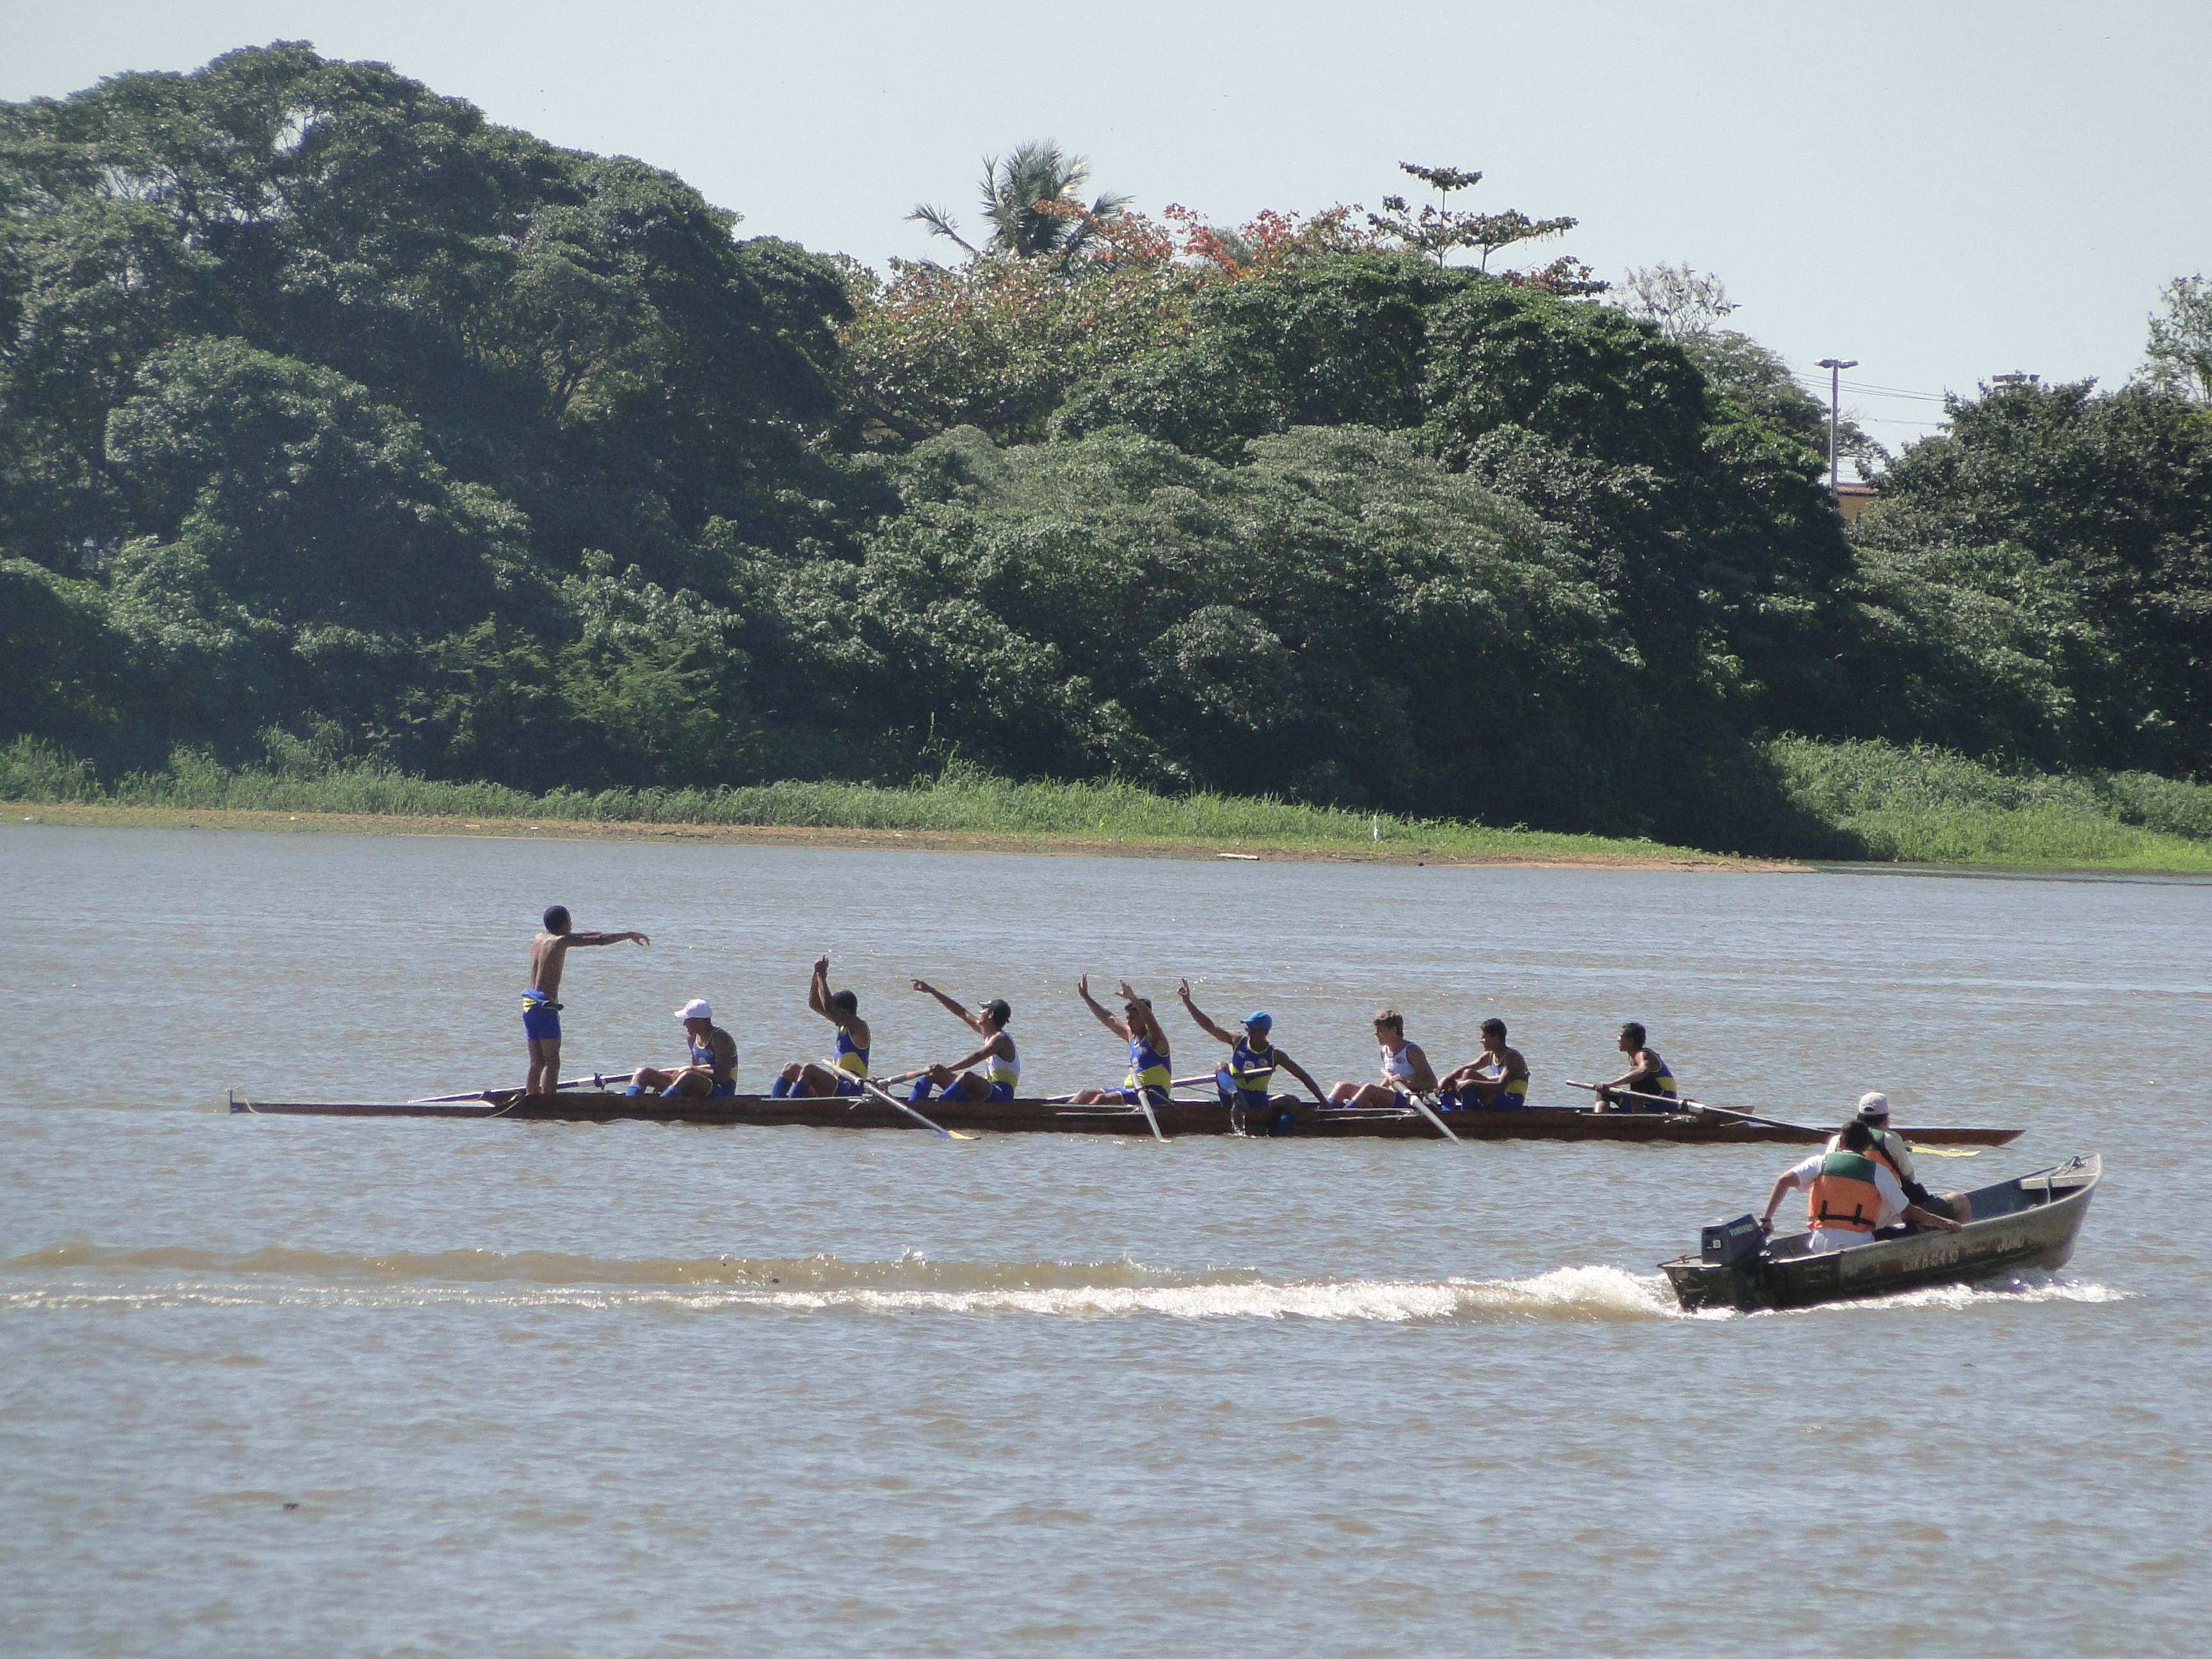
(547, 952)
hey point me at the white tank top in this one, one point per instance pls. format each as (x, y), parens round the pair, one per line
(1394, 1063)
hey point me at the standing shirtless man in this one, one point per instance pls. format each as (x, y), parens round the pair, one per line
(541, 1001)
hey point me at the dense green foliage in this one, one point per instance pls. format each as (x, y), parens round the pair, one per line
(2039, 581)
(340, 429)
(323, 388)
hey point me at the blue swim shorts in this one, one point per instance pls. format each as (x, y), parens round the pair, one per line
(847, 1084)
(541, 1020)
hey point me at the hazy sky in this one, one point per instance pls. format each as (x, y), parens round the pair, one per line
(1944, 190)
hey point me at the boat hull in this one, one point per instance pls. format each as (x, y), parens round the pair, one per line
(1178, 1118)
(2031, 1222)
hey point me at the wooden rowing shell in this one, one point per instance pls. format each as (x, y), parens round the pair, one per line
(1181, 1117)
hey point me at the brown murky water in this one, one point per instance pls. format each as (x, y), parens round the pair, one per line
(544, 1390)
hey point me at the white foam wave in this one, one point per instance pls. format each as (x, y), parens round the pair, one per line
(1586, 1293)
(87, 1276)
(2012, 1290)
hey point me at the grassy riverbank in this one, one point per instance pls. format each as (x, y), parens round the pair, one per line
(1923, 805)
(1873, 802)
(960, 808)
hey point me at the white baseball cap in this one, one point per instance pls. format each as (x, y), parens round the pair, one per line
(695, 1009)
(1870, 1105)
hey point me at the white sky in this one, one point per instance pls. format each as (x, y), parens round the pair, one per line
(1944, 190)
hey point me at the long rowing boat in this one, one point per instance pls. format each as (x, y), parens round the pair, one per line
(2028, 1223)
(1179, 1117)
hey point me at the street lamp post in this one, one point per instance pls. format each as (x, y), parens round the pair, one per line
(1835, 368)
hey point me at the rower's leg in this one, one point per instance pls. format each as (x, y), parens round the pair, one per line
(649, 1080)
(787, 1080)
(544, 1065)
(1343, 1094)
(690, 1083)
(967, 1086)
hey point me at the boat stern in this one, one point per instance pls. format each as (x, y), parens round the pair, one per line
(1699, 1285)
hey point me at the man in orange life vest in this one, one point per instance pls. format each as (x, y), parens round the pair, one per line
(1848, 1193)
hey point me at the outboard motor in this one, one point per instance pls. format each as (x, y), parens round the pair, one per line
(1732, 1243)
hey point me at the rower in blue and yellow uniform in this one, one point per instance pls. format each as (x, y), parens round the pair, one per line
(713, 1067)
(1647, 1075)
(1000, 1063)
(1253, 1061)
(1150, 1073)
(1496, 1080)
(843, 1075)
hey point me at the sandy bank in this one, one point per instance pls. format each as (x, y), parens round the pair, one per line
(1406, 851)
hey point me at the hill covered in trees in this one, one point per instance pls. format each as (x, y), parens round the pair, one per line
(338, 425)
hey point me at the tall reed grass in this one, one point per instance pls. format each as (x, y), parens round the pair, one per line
(1923, 805)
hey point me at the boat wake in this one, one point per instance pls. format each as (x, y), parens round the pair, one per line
(86, 1276)
(2009, 1290)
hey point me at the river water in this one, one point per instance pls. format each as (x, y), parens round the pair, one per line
(298, 1385)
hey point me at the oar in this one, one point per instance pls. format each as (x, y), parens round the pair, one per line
(1770, 1123)
(870, 1085)
(1669, 1100)
(1426, 1106)
(598, 1080)
(1676, 1105)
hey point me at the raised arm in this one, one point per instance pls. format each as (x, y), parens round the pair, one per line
(1182, 990)
(573, 940)
(973, 1022)
(817, 997)
(1083, 990)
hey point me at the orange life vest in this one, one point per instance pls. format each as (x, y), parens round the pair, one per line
(1880, 1151)
(1844, 1195)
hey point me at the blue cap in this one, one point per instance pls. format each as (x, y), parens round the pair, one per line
(1261, 1019)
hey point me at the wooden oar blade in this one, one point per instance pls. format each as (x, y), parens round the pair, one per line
(896, 1104)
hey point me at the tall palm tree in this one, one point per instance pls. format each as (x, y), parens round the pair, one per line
(1013, 189)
